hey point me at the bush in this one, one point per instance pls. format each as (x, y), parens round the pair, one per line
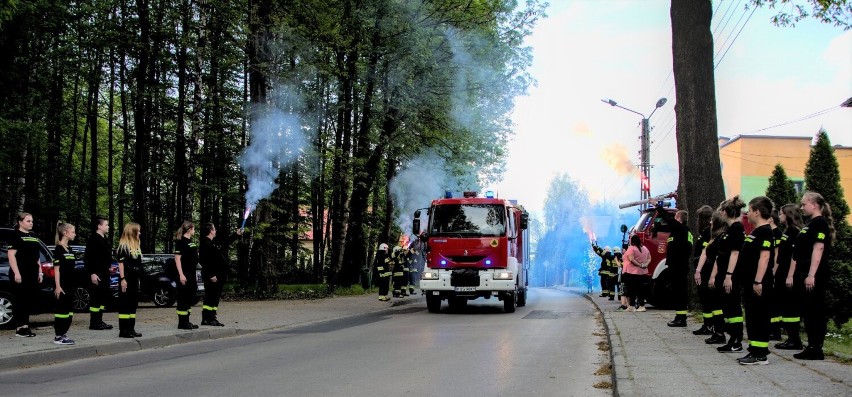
(839, 291)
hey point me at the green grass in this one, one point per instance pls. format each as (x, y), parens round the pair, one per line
(839, 339)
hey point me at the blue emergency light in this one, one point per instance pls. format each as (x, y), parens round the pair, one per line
(488, 262)
(489, 194)
(448, 194)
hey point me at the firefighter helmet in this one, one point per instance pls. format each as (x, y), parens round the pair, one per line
(617, 250)
(607, 249)
(383, 247)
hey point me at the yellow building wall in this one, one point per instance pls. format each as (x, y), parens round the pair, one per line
(750, 160)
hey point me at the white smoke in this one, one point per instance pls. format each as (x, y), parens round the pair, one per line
(421, 181)
(277, 139)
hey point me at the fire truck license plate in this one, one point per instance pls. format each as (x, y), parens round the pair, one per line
(465, 289)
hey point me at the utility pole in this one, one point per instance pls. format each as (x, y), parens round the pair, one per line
(644, 150)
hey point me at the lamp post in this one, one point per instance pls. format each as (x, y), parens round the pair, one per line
(645, 151)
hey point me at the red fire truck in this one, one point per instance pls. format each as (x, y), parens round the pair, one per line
(477, 247)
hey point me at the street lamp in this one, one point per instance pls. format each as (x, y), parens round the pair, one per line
(645, 152)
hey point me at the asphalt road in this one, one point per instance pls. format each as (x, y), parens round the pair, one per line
(547, 348)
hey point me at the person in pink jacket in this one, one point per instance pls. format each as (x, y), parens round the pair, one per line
(635, 273)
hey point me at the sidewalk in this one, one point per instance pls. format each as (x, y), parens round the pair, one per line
(158, 327)
(651, 359)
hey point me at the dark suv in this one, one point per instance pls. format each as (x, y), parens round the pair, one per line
(157, 281)
(46, 300)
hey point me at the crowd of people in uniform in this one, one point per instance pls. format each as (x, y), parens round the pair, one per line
(26, 274)
(770, 279)
(399, 269)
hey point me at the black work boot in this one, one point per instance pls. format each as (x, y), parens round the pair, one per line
(679, 321)
(811, 353)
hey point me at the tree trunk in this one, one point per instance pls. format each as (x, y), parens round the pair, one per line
(141, 113)
(697, 136)
(92, 120)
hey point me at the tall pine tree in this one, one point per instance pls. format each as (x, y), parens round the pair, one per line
(781, 189)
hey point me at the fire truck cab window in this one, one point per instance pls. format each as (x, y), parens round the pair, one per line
(470, 220)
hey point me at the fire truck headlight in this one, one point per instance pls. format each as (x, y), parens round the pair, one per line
(430, 275)
(503, 276)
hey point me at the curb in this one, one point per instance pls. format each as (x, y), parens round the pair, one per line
(49, 357)
(608, 339)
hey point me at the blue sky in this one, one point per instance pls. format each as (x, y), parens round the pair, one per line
(588, 50)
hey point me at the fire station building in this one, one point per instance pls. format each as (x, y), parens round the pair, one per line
(748, 162)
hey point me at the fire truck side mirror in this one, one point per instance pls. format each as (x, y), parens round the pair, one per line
(624, 228)
(415, 227)
(525, 220)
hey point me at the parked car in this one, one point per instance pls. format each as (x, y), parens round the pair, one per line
(45, 302)
(82, 280)
(158, 280)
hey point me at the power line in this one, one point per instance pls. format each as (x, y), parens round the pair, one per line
(776, 156)
(768, 165)
(735, 37)
(803, 118)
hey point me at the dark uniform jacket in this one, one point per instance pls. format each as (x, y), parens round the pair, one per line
(98, 256)
(213, 260)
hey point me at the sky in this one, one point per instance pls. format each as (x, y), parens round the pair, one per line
(589, 50)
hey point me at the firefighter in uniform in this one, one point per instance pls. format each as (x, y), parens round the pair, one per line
(398, 262)
(186, 258)
(678, 251)
(129, 256)
(785, 289)
(729, 282)
(810, 252)
(405, 258)
(98, 259)
(25, 271)
(705, 278)
(413, 271)
(775, 319)
(382, 271)
(702, 273)
(755, 264)
(214, 271)
(604, 270)
(618, 286)
(63, 263)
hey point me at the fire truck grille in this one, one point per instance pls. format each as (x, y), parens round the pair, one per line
(466, 259)
(464, 278)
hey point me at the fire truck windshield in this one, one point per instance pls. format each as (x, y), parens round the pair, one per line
(468, 220)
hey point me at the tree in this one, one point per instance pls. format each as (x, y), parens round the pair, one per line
(696, 130)
(822, 175)
(781, 189)
(836, 12)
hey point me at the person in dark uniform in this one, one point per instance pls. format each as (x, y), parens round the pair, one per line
(702, 273)
(25, 271)
(705, 279)
(726, 262)
(214, 271)
(186, 258)
(775, 318)
(63, 267)
(678, 252)
(810, 253)
(382, 271)
(129, 254)
(398, 261)
(755, 264)
(98, 259)
(603, 271)
(786, 292)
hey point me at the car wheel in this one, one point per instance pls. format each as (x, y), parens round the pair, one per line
(522, 298)
(81, 299)
(6, 312)
(433, 303)
(509, 302)
(164, 296)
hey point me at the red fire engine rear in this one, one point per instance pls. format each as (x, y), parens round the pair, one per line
(476, 247)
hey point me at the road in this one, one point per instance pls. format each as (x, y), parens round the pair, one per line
(547, 348)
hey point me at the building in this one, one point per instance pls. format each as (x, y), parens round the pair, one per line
(748, 162)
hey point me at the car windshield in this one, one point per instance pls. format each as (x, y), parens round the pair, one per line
(468, 220)
(643, 223)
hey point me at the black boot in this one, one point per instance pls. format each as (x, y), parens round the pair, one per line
(715, 339)
(133, 328)
(183, 322)
(679, 321)
(811, 353)
(124, 328)
(96, 322)
(704, 330)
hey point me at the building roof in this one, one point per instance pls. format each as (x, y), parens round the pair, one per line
(734, 139)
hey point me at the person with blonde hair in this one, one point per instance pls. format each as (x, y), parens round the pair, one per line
(63, 261)
(810, 252)
(186, 259)
(129, 254)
